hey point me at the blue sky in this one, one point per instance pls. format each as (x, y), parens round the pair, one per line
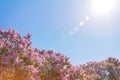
(50, 23)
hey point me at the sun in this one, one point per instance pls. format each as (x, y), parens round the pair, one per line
(102, 7)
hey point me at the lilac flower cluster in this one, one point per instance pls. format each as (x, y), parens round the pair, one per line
(20, 61)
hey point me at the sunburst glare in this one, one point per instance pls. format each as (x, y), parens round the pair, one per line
(102, 8)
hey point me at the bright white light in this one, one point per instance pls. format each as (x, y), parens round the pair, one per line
(87, 18)
(103, 7)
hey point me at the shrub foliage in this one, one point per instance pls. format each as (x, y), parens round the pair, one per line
(20, 61)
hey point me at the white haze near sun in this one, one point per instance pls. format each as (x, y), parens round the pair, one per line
(102, 8)
(100, 13)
